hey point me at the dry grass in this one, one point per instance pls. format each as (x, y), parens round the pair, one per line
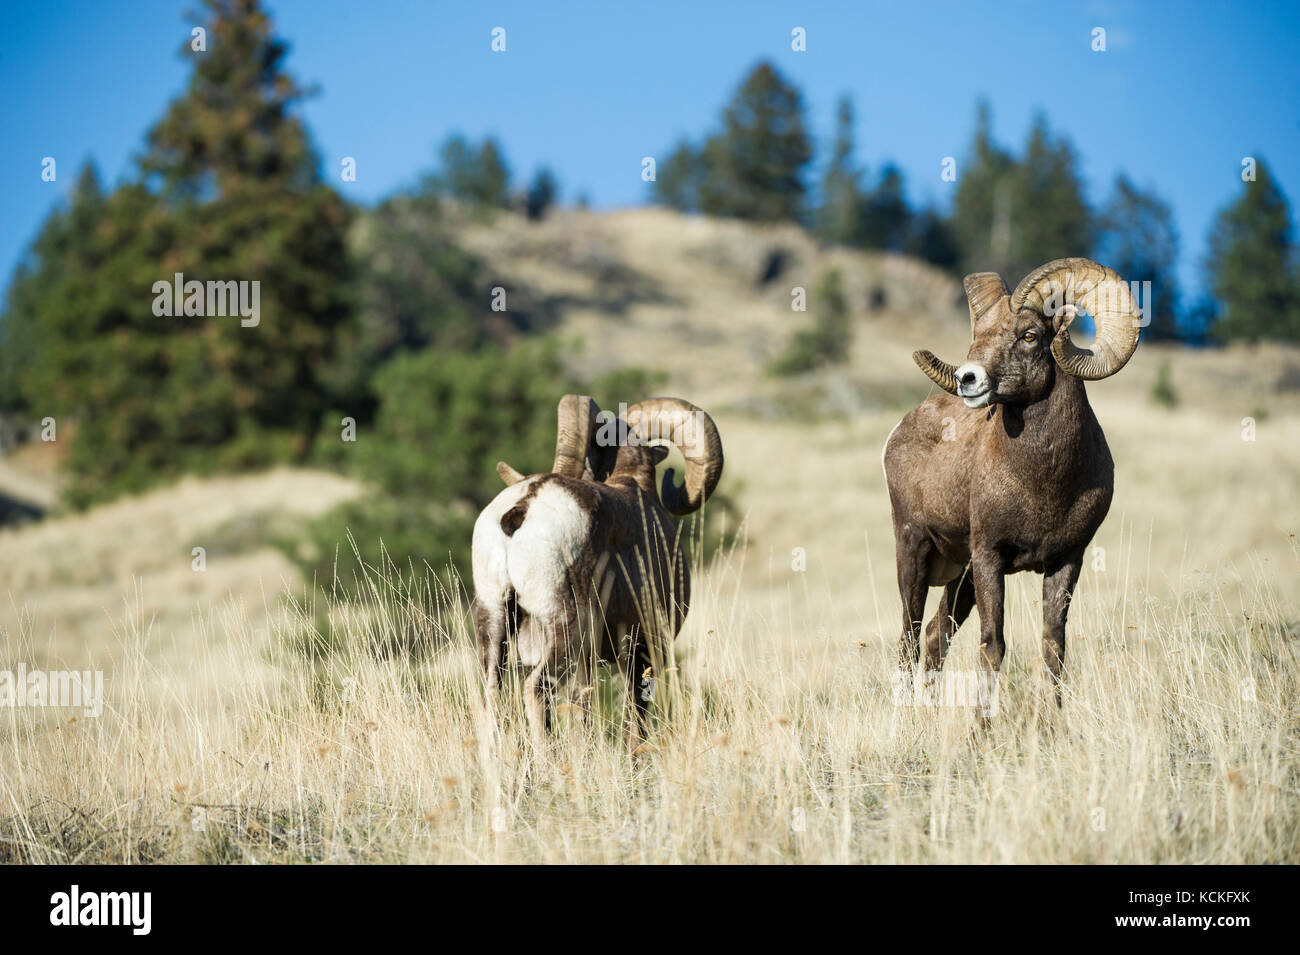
(67, 578)
(776, 743)
(779, 740)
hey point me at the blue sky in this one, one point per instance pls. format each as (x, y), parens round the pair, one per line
(1182, 93)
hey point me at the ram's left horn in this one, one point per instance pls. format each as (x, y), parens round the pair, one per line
(508, 474)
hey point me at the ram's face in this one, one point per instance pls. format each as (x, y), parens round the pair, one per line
(1010, 359)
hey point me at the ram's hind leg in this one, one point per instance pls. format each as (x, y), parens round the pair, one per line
(539, 691)
(550, 647)
(954, 607)
(913, 554)
(490, 623)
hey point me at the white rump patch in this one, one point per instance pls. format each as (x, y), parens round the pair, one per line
(534, 562)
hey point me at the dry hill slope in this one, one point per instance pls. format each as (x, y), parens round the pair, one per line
(1184, 641)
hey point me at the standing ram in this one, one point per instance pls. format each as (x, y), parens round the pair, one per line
(1009, 471)
(585, 562)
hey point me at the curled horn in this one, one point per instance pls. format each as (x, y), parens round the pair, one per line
(1100, 292)
(575, 429)
(937, 370)
(695, 434)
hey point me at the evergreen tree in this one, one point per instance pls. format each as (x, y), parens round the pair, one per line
(415, 289)
(678, 179)
(1138, 240)
(1011, 216)
(229, 192)
(1252, 265)
(884, 220)
(755, 166)
(542, 193)
(477, 176)
(1050, 216)
(494, 175)
(61, 255)
(981, 219)
(930, 237)
(837, 218)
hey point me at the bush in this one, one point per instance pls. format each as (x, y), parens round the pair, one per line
(826, 340)
(541, 195)
(443, 423)
(1162, 392)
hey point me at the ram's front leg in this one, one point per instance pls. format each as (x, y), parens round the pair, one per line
(990, 587)
(954, 608)
(640, 692)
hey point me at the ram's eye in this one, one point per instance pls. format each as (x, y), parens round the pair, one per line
(1030, 336)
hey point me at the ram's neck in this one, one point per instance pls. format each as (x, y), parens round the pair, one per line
(1057, 435)
(630, 479)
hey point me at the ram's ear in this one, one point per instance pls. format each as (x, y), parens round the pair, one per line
(658, 452)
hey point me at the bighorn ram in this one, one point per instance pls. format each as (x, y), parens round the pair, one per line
(585, 562)
(1009, 471)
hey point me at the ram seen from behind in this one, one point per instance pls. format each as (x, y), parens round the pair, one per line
(1009, 471)
(585, 563)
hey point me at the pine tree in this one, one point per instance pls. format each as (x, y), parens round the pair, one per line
(884, 219)
(1050, 216)
(229, 192)
(981, 218)
(755, 166)
(1252, 265)
(1138, 240)
(477, 176)
(931, 238)
(51, 273)
(1011, 216)
(494, 175)
(415, 289)
(841, 192)
(678, 178)
(542, 193)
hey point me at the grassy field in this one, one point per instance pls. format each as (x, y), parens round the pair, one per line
(230, 733)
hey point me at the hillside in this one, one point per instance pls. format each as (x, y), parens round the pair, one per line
(708, 303)
(1198, 551)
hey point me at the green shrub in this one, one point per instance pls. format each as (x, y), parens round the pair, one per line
(1162, 392)
(826, 340)
(443, 423)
